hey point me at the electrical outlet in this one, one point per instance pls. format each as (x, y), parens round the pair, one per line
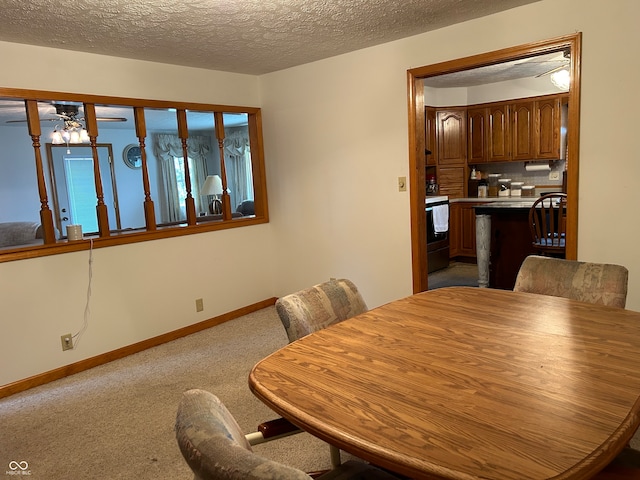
(402, 184)
(67, 342)
(199, 305)
(554, 175)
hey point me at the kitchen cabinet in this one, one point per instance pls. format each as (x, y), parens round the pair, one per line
(547, 128)
(468, 231)
(498, 148)
(451, 126)
(455, 230)
(430, 136)
(452, 181)
(462, 230)
(522, 129)
(477, 135)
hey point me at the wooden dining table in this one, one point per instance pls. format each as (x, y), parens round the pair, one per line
(467, 383)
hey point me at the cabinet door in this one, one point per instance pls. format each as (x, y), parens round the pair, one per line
(452, 136)
(498, 148)
(430, 136)
(547, 122)
(452, 181)
(522, 131)
(477, 135)
(455, 230)
(468, 237)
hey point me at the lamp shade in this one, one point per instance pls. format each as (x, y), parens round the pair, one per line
(212, 185)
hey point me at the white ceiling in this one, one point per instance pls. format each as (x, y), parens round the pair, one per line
(242, 36)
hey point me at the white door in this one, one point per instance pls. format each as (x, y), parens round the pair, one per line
(75, 187)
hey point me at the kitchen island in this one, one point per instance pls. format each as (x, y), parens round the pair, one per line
(503, 241)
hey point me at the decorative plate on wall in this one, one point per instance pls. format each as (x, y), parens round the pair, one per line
(132, 156)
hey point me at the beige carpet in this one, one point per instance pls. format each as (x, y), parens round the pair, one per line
(116, 421)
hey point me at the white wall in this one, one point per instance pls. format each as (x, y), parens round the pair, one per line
(336, 140)
(139, 290)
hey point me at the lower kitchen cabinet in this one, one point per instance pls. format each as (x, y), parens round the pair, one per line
(462, 230)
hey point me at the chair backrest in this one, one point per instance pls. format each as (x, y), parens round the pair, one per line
(317, 307)
(547, 221)
(601, 283)
(214, 446)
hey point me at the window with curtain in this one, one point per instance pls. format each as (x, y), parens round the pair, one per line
(237, 151)
(168, 150)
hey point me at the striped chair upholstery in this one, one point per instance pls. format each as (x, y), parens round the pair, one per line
(215, 448)
(317, 307)
(585, 281)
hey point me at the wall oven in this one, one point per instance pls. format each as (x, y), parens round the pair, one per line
(437, 212)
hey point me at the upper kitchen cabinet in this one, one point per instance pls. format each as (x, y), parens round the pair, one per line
(431, 142)
(547, 128)
(477, 135)
(522, 131)
(498, 148)
(451, 125)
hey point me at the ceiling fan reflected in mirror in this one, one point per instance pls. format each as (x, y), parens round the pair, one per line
(71, 124)
(67, 111)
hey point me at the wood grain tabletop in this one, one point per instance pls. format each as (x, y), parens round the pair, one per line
(467, 383)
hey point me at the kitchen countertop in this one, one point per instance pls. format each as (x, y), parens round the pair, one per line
(520, 200)
(512, 205)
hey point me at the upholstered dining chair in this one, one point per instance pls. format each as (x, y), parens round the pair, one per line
(215, 448)
(547, 221)
(601, 283)
(317, 307)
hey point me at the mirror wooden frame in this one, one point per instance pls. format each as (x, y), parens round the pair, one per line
(151, 231)
(417, 121)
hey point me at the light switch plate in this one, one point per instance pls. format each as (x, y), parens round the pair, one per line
(554, 175)
(402, 184)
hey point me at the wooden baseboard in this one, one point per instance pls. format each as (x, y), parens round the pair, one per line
(61, 372)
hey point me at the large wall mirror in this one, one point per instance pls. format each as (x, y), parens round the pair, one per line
(125, 170)
(503, 75)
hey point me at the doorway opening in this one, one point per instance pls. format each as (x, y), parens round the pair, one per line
(569, 44)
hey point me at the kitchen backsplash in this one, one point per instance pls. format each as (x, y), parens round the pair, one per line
(517, 173)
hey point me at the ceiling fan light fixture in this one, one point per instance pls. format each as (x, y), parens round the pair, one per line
(561, 79)
(56, 137)
(72, 132)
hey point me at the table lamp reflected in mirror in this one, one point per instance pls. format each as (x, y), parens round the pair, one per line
(212, 187)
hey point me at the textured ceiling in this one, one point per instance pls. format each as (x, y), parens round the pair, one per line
(243, 36)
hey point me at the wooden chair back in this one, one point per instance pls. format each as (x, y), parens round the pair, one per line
(547, 221)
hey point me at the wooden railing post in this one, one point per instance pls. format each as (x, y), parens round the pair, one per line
(183, 133)
(226, 199)
(46, 217)
(141, 133)
(92, 130)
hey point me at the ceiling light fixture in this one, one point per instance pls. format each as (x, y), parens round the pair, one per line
(561, 79)
(73, 130)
